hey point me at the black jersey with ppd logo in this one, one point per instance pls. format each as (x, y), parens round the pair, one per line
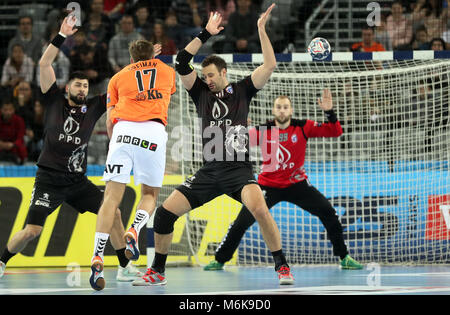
(224, 119)
(67, 131)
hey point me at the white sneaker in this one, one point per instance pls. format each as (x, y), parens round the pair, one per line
(129, 273)
(2, 268)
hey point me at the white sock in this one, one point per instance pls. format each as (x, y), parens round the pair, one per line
(100, 243)
(140, 220)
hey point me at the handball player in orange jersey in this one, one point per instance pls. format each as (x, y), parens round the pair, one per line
(137, 104)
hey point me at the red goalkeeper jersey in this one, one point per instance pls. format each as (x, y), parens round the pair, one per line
(283, 150)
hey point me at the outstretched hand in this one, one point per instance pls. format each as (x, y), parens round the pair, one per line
(67, 26)
(157, 48)
(326, 101)
(213, 26)
(265, 16)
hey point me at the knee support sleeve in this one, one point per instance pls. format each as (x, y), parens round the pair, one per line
(164, 221)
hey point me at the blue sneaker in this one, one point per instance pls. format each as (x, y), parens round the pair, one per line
(132, 248)
(97, 280)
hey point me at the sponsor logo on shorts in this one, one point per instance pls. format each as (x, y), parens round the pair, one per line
(137, 142)
(43, 201)
(111, 168)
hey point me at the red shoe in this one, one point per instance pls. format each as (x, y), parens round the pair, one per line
(151, 277)
(132, 249)
(284, 275)
(97, 280)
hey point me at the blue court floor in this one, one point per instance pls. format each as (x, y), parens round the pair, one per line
(310, 280)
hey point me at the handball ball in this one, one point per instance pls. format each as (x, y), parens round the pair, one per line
(319, 49)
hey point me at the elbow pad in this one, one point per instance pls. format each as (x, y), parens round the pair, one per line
(182, 65)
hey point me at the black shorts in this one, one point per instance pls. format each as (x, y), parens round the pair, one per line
(82, 195)
(215, 179)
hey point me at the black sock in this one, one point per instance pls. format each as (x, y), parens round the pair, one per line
(159, 263)
(123, 260)
(279, 259)
(6, 256)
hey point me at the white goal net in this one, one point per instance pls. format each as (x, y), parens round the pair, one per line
(387, 176)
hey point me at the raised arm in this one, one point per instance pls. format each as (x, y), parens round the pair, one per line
(46, 73)
(262, 74)
(184, 69)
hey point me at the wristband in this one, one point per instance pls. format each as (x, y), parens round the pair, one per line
(331, 115)
(58, 40)
(204, 35)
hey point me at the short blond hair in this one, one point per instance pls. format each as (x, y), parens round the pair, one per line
(141, 49)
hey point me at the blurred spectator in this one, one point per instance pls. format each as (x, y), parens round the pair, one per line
(97, 68)
(114, 9)
(368, 43)
(446, 38)
(160, 37)
(118, 54)
(382, 35)
(241, 34)
(399, 27)
(174, 30)
(35, 133)
(437, 44)
(420, 41)
(24, 97)
(224, 7)
(12, 132)
(191, 16)
(97, 26)
(142, 20)
(433, 15)
(31, 44)
(17, 67)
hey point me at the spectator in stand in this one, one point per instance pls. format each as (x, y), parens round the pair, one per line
(35, 133)
(114, 9)
(446, 38)
(191, 16)
(17, 67)
(381, 34)
(97, 26)
(175, 30)
(118, 53)
(433, 15)
(12, 132)
(224, 7)
(399, 27)
(31, 44)
(24, 97)
(142, 20)
(420, 41)
(437, 44)
(91, 62)
(368, 43)
(241, 34)
(160, 37)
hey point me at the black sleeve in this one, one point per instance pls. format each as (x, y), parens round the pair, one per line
(49, 97)
(100, 104)
(249, 87)
(196, 90)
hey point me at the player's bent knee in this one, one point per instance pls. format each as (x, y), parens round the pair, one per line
(260, 212)
(164, 221)
(31, 232)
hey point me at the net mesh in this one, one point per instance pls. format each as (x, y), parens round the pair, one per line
(387, 175)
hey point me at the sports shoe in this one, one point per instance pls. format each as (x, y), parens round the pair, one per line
(128, 273)
(213, 265)
(2, 268)
(350, 264)
(131, 239)
(151, 277)
(97, 280)
(284, 275)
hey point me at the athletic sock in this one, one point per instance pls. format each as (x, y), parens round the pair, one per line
(6, 256)
(159, 262)
(100, 244)
(123, 260)
(140, 220)
(279, 259)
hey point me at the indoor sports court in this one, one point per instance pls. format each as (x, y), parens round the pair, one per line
(387, 176)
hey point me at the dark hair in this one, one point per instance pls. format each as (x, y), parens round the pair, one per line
(437, 39)
(7, 101)
(141, 49)
(215, 60)
(25, 17)
(78, 75)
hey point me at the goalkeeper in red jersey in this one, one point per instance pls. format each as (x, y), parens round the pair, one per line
(283, 177)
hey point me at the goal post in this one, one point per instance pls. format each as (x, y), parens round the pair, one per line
(387, 176)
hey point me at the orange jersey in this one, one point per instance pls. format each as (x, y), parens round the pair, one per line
(141, 91)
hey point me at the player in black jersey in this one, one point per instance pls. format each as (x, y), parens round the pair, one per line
(223, 108)
(62, 163)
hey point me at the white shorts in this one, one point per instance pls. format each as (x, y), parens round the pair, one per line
(139, 147)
